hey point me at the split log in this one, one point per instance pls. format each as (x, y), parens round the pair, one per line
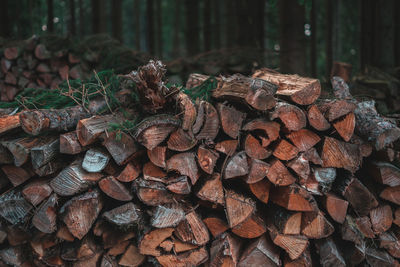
(384, 173)
(151, 240)
(329, 253)
(179, 185)
(304, 260)
(381, 219)
(284, 221)
(17, 175)
(260, 252)
(391, 194)
(45, 217)
(336, 207)
(269, 128)
(121, 148)
(73, 179)
(325, 178)
(252, 227)
(238, 208)
(185, 164)
(95, 160)
(317, 119)
(345, 126)
(303, 139)
(300, 166)
(158, 156)
(44, 153)
(192, 230)
(37, 191)
(35, 122)
(335, 109)
(8, 123)
(285, 150)
(279, 175)
(181, 140)
(390, 241)
(5, 155)
(13, 207)
(258, 171)
(237, 166)
(375, 257)
(292, 117)
(69, 144)
(114, 189)
(129, 173)
(189, 111)
(231, 120)
(228, 147)
(212, 190)
(339, 154)
(167, 216)
(51, 167)
(152, 193)
(131, 257)
(293, 197)
(152, 131)
(190, 258)
(261, 190)
(13, 255)
(301, 90)
(88, 130)
(80, 212)
(216, 225)
(225, 251)
(124, 215)
(207, 122)
(315, 225)
(254, 149)
(207, 159)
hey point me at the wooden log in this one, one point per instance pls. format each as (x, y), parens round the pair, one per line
(180, 246)
(35, 122)
(207, 122)
(37, 191)
(269, 128)
(225, 250)
(381, 218)
(261, 190)
(304, 260)
(192, 230)
(293, 197)
(390, 242)
(325, 178)
(73, 179)
(148, 245)
(391, 194)
(165, 216)
(258, 171)
(45, 152)
(158, 156)
(231, 120)
(292, 117)
(228, 147)
(17, 175)
(303, 139)
(152, 193)
(260, 252)
(131, 257)
(336, 207)
(114, 189)
(283, 221)
(216, 225)
(375, 257)
(50, 168)
(5, 155)
(329, 254)
(121, 148)
(301, 90)
(294, 245)
(179, 185)
(124, 215)
(336, 108)
(237, 208)
(41, 52)
(129, 173)
(356, 229)
(370, 125)
(279, 175)
(207, 159)
(384, 173)
(64, 234)
(8, 123)
(190, 258)
(95, 160)
(315, 225)
(185, 164)
(188, 109)
(252, 227)
(69, 144)
(359, 197)
(236, 166)
(88, 130)
(317, 119)
(339, 154)
(181, 140)
(345, 126)
(254, 148)
(212, 190)
(14, 256)
(45, 217)
(300, 166)
(13, 207)
(396, 215)
(81, 211)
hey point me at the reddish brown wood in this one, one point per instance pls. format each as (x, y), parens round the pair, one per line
(227, 147)
(334, 109)
(294, 245)
(293, 197)
(253, 227)
(336, 207)
(88, 130)
(391, 194)
(258, 171)
(384, 173)
(225, 250)
(304, 139)
(151, 240)
(285, 151)
(260, 252)
(375, 257)
(129, 173)
(45, 217)
(8, 123)
(152, 193)
(212, 190)
(284, 221)
(231, 120)
(381, 218)
(69, 143)
(304, 260)
(167, 216)
(64, 234)
(315, 225)
(192, 230)
(153, 173)
(236, 166)
(390, 241)
(300, 166)
(207, 122)
(185, 164)
(114, 189)
(339, 154)
(216, 225)
(279, 175)
(179, 185)
(181, 140)
(345, 126)
(237, 208)
(292, 117)
(125, 215)
(254, 148)
(37, 191)
(121, 148)
(261, 190)
(269, 128)
(188, 109)
(190, 258)
(158, 156)
(17, 175)
(207, 159)
(132, 257)
(317, 119)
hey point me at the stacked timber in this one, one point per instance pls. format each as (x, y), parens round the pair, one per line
(263, 173)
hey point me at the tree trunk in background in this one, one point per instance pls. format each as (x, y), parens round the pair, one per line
(230, 30)
(217, 24)
(292, 38)
(150, 26)
(259, 23)
(192, 26)
(176, 47)
(98, 16)
(5, 29)
(81, 19)
(244, 21)
(136, 20)
(72, 21)
(50, 16)
(116, 14)
(328, 37)
(313, 38)
(384, 34)
(159, 28)
(367, 33)
(396, 23)
(207, 25)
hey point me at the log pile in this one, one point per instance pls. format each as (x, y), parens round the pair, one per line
(262, 173)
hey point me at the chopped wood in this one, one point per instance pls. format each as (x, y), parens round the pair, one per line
(258, 171)
(279, 175)
(225, 250)
(294, 245)
(158, 156)
(69, 144)
(336, 207)
(237, 166)
(88, 130)
(44, 153)
(181, 140)
(237, 207)
(384, 173)
(212, 190)
(192, 230)
(131, 257)
(254, 148)
(228, 147)
(260, 252)
(292, 117)
(45, 217)
(252, 227)
(381, 218)
(179, 185)
(207, 159)
(339, 154)
(375, 257)
(151, 240)
(167, 216)
(64, 234)
(391, 194)
(8, 123)
(95, 160)
(231, 120)
(37, 191)
(285, 150)
(124, 215)
(335, 109)
(345, 126)
(129, 173)
(17, 175)
(317, 119)
(190, 258)
(216, 225)
(390, 241)
(329, 254)
(261, 190)
(189, 111)
(293, 197)
(301, 90)
(121, 148)
(180, 246)
(284, 221)
(304, 139)
(185, 164)
(207, 122)
(152, 193)
(304, 260)
(300, 166)
(315, 225)
(114, 189)
(13, 207)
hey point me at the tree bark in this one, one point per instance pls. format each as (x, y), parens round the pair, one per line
(5, 29)
(150, 26)
(81, 18)
(192, 26)
(136, 20)
(72, 19)
(329, 34)
(207, 25)
(177, 28)
(314, 39)
(98, 16)
(117, 19)
(50, 16)
(159, 28)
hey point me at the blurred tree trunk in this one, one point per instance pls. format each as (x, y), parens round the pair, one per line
(244, 36)
(116, 15)
(136, 19)
(329, 37)
(150, 26)
(98, 16)
(5, 29)
(159, 28)
(192, 26)
(72, 20)
(207, 25)
(259, 23)
(217, 24)
(81, 19)
(313, 38)
(176, 49)
(292, 38)
(50, 16)
(396, 23)
(230, 30)
(367, 36)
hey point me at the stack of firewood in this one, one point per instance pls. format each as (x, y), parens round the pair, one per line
(262, 173)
